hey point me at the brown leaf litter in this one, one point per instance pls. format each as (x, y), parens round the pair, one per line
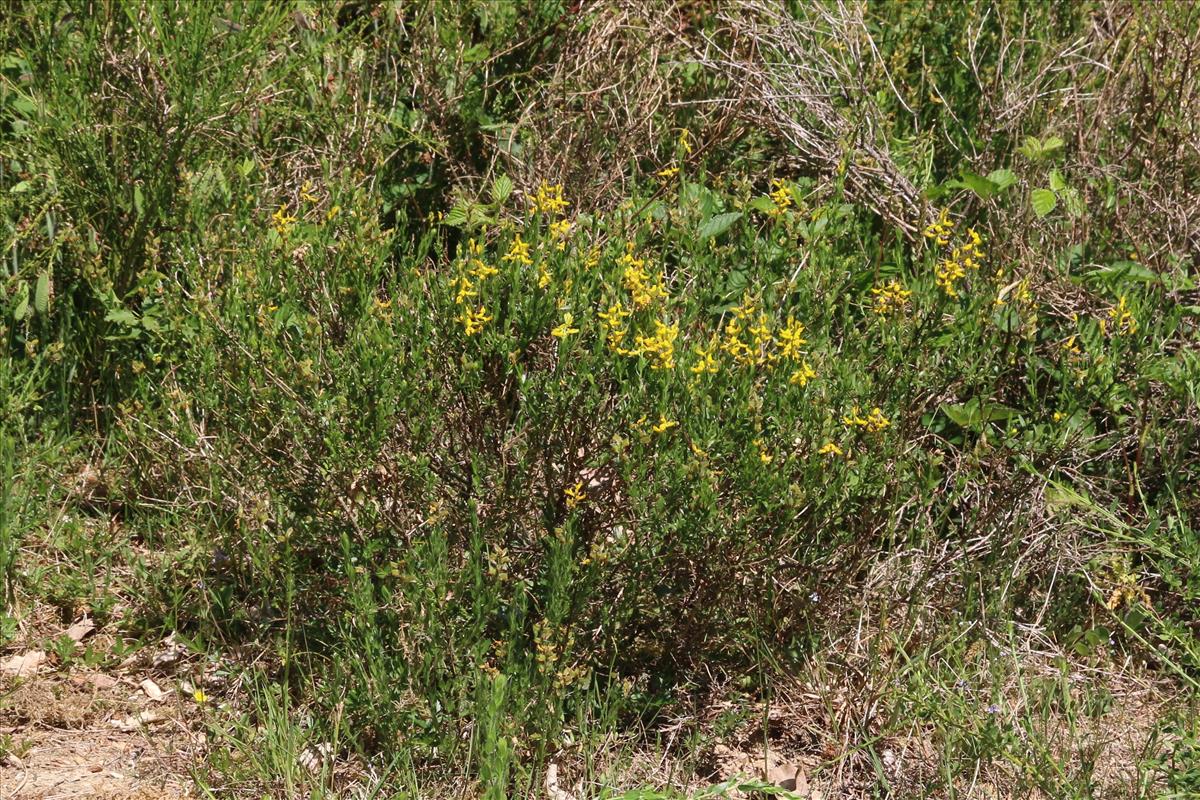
(72, 732)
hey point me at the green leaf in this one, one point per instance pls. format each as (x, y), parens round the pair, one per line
(122, 316)
(1072, 201)
(502, 188)
(21, 306)
(41, 295)
(763, 204)
(456, 217)
(973, 412)
(1006, 319)
(1043, 201)
(1032, 149)
(718, 224)
(1002, 178)
(1126, 272)
(473, 55)
(979, 185)
(1057, 183)
(18, 188)
(1050, 144)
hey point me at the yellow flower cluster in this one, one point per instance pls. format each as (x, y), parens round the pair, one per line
(705, 363)
(549, 199)
(940, 229)
(781, 195)
(1120, 319)
(641, 285)
(575, 495)
(559, 231)
(873, 422)
(967, 256)
(747, 338)
(664, 424)
(472, 319)
(791, 339)
(614, 324)
(658, 347)
(890, 298)
(564, 330)
(282, 221)
(802, 375)
(518, 251)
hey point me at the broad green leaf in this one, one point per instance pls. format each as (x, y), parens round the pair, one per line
(502, 188)
(974, 412)
(763, 204)
(1050, 144)
(21, 306)
(1002, 178)
(456, 217)
(1043, 201)
(1032, 148)
(718, 224)
(41, 295)
(979, 185)
(1126, 271)
(18, 188)
(122, 316)
(1057, 183)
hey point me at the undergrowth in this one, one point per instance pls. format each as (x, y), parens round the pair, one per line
(483, 471)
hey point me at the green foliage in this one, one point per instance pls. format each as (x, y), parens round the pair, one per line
(481, 473)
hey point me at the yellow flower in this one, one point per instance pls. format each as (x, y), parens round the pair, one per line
(543, 276)
(283, 221)
(705, 363)
(473, 321)
(781, 196)
(763, 456)
(873, 422)
(199, 696)
(803, 375)
(333, 212)
(564, 330)
(549, 199)
(575, 495)
(465, 290)
(613, 317)
(660, 347)
(1121, 317)
(830, 449)
(638, 282)
(482, 270)
(890, 298)
(519, 251)
(560, 230)
(685, 143)
(949, 273)
(940, 229)
(664, 424)
(791, 339)
(306, 193)
(669, 172)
